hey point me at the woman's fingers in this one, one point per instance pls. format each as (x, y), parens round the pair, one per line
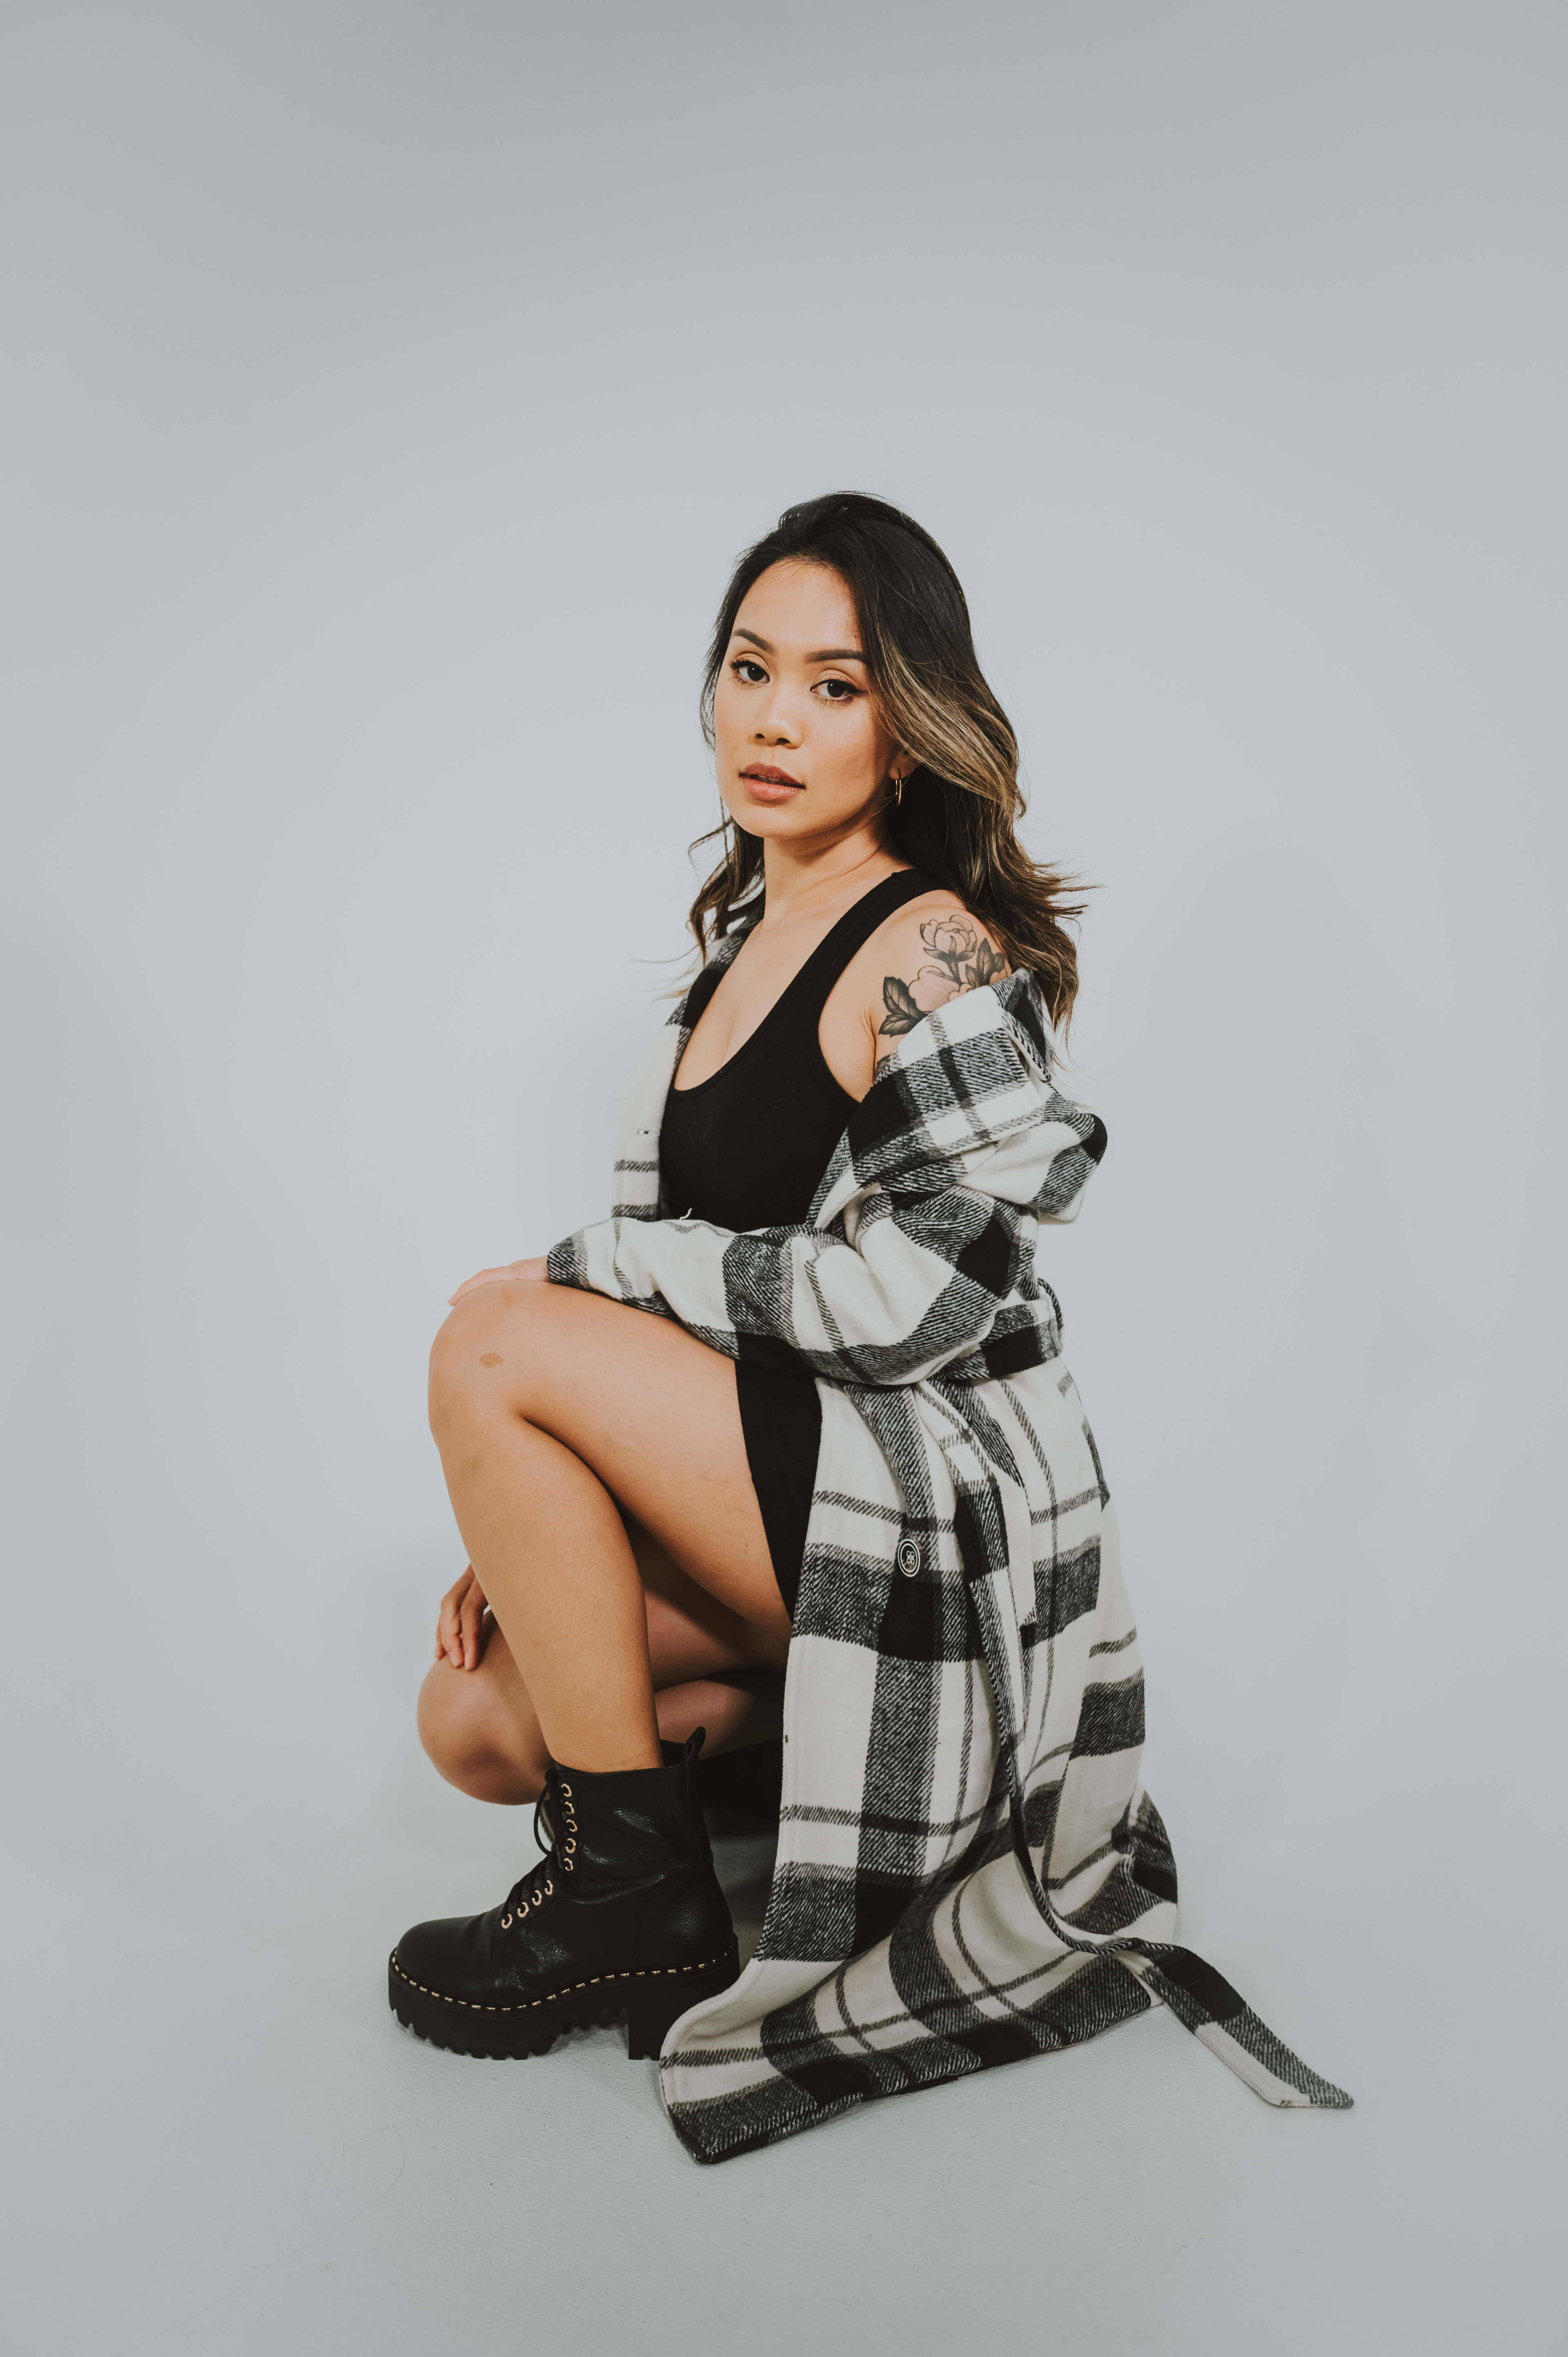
(527, 1271)
(448, 1628)
(472, 1284)
(460, 1631)
(470, 1622)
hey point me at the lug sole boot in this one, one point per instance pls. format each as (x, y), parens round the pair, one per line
(622, 1919)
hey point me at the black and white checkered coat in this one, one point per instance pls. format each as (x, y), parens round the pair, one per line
(969, 1869)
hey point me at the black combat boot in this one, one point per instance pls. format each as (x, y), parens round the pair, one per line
(622, 1917)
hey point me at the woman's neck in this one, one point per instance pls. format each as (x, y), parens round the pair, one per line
(802, 880)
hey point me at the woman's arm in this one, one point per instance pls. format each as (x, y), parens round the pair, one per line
(923, 957)
(920, 1284)
(927, 1231)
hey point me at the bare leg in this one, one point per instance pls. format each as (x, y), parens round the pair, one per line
(480, 1729)
(553, 1409)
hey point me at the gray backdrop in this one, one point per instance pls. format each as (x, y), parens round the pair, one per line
(388, 389)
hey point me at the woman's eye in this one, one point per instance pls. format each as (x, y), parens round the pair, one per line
(744, 668)
(837, 691)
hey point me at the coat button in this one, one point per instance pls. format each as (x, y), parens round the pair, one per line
(909, 1558)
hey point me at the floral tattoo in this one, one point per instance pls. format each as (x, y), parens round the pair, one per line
(962, 959)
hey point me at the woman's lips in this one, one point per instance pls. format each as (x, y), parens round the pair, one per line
(770, 785)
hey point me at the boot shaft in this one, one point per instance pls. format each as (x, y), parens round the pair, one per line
(634, 1854)
(628, 1823)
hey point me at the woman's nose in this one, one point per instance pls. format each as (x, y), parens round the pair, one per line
(775, 726)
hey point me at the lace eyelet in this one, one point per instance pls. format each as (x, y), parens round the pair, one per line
(505, 1922)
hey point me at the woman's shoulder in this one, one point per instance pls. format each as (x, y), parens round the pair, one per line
(929, 952)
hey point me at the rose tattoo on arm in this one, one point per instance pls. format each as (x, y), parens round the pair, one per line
(961, 959)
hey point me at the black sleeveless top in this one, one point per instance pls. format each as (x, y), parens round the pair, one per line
(747, 1147)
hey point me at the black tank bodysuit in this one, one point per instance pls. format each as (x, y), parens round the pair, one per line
(748, 1148)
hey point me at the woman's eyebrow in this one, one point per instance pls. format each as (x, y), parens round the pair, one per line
(823, 654)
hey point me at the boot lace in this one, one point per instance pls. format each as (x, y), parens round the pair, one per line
(555, 1831)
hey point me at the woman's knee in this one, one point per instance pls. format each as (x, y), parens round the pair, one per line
(475, 1745)
(481, 1356)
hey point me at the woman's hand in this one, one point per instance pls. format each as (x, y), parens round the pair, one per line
(530, 1271)
(462, 1628)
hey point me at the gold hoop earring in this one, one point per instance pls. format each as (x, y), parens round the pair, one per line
(897, 791)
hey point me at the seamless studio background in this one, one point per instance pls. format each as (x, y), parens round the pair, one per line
(388, 389)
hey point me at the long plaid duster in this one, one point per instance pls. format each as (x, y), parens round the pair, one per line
(969, 1870)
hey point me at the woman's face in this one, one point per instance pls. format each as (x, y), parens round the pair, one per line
(800, 752)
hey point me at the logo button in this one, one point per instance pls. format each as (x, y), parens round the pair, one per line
(909, 1558)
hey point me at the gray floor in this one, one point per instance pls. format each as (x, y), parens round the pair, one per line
(229, 2146)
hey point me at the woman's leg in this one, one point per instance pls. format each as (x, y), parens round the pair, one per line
(481, 1730)
(553, 1409)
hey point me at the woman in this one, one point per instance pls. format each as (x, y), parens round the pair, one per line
(844, 1440)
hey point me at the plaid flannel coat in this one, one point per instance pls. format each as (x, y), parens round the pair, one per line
(969, 1870)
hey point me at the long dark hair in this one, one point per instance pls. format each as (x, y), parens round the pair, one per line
(958, 816)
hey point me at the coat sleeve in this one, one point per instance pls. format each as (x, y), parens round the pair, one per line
(924, 1234)
(888, 1294)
